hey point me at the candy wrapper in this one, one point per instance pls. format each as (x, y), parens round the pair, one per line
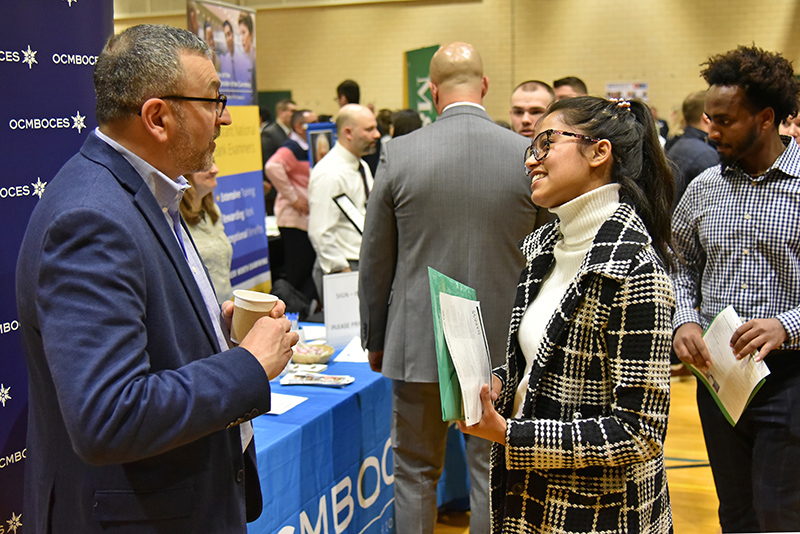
(313, 379)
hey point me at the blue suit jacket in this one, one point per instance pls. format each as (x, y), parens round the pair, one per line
(133, 412)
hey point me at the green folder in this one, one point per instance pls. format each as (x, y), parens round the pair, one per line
(449, 386)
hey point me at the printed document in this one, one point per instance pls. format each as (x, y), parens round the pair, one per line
(733, 383)
(466, 340)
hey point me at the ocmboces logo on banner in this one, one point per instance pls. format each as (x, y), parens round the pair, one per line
(18, 191)
(28, 57)
(76, 122)
(47, 57)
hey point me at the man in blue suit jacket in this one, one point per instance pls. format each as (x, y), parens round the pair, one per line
(137, 420)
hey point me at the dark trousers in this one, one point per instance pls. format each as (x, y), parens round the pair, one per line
(756, 464)
(299, 260)
(419, 439)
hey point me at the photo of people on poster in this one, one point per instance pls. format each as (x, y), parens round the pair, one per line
(230, 32)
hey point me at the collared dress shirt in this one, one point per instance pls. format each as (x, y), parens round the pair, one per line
(336, 240)
(473, 104)
(737, 241)
(168, 194)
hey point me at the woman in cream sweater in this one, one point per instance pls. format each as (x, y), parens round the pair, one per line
(580, 411)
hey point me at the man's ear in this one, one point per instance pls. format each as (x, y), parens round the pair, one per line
(434, 93)
(600, 153)
(157, 117)
(766, 118)
(484, 86)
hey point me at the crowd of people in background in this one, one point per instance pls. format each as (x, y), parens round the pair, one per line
(686, 144)
(288, 170)
(597, 243)
(645, 167)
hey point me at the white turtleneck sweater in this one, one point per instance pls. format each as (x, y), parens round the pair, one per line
(580, 219)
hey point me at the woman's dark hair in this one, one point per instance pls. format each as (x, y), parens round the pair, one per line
(639, 164)
(767, 78)
(405, 121)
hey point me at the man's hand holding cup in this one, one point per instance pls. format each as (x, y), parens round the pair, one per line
(259, 325)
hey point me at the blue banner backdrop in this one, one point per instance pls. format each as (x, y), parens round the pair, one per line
(47, 54)
(240, 197)
(230, 32)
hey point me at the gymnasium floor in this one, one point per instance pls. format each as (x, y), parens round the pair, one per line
(694, 501)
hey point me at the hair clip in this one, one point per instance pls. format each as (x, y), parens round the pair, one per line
(622, 103)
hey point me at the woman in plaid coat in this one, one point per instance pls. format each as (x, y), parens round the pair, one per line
(580, 411)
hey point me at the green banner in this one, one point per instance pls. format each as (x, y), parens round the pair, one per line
(418, 77)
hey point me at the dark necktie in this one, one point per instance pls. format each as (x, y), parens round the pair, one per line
(363, 178)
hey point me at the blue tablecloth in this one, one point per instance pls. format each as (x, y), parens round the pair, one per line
(326, 464)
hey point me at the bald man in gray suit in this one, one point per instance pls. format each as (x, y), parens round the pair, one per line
(452, 196)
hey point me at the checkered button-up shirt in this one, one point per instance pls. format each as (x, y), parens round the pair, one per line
(739, 238)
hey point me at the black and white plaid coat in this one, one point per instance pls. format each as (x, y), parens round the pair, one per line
(587, 454)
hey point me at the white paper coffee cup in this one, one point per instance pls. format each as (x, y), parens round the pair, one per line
(249, 307)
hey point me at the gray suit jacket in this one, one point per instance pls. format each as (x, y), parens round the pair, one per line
(452, 196)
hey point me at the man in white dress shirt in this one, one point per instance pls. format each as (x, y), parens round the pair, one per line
(336, 239)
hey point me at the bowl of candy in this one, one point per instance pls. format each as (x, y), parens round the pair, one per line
(311, 353)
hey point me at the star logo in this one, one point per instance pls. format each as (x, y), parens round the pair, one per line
(29, 57)
(15, 522)
(38, 187)
(78, 121)
(4, 395)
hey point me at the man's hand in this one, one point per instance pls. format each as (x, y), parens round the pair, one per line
(227, 313)
(755, 334)
(301, 204)
(271, 340)
(690, 347)
(227, 307)
(279, 310)
(376, 360)
(492, 425)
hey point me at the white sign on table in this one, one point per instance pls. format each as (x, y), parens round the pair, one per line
(353, 352)
(342, 314)
(280, 403)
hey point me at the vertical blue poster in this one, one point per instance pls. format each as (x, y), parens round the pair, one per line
(48, 49)
(229, 30)
(240, 197)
